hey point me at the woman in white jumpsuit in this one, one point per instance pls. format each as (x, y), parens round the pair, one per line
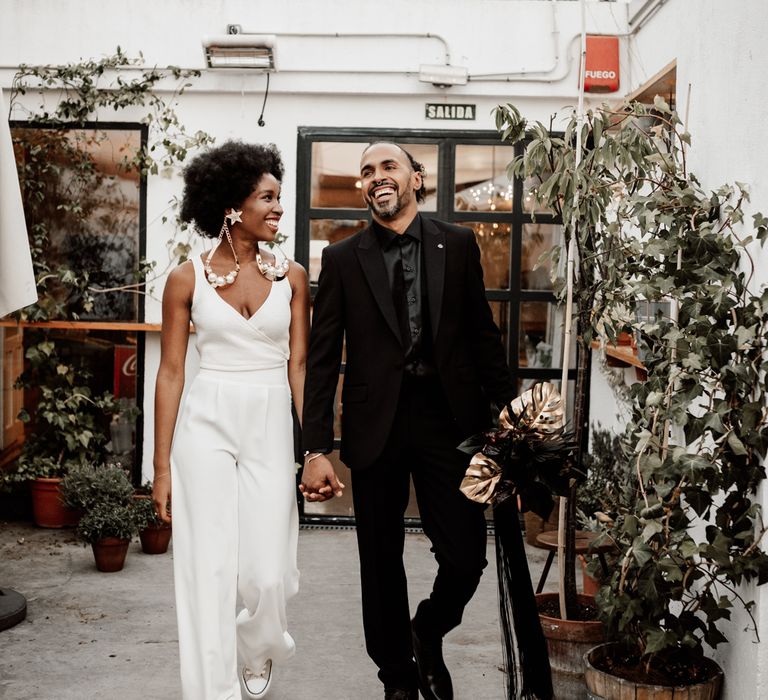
(230, 456)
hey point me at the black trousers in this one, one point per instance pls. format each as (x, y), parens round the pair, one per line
(422, 445)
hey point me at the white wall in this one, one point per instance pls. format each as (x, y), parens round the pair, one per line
(329, 81)
(487, 36)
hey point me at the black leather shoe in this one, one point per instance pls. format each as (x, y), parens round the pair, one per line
(400, 694)
(434, 679)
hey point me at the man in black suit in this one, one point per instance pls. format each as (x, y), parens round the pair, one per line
(424, 360)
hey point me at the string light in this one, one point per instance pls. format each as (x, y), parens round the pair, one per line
(490, 196)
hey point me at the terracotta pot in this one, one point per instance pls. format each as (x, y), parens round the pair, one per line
(155, 539)
(48, 510)
(110, 552)
(605, 686)
(590, 586)
(567, 642)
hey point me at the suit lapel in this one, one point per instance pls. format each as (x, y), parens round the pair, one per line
(372, 262)
(433, 239)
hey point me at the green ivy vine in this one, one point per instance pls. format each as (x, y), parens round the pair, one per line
(61, 182)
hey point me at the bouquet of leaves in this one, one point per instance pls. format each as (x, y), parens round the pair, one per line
(528, 457)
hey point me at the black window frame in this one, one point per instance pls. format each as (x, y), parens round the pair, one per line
(143, 130)
(446, 140)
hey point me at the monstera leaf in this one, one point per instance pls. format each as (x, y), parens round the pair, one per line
(481, 478)
(536, 412)
(528, 456)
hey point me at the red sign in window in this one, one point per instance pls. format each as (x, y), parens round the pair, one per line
(125, 371)
(602, 66)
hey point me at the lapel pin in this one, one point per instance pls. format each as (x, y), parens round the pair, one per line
(439, 245)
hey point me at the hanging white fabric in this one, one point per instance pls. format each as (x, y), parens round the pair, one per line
(17, 279)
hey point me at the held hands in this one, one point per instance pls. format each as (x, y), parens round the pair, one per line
(161, 495)
(318, 480)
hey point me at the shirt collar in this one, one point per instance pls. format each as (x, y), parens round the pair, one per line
(387, 236)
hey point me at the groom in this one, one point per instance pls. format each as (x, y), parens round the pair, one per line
(424, 359)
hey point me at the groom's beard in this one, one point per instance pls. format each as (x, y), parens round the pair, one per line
(392, 208)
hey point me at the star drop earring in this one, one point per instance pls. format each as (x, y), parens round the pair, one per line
(234, 216)
(223, 280)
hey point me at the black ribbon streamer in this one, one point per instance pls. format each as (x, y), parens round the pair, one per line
(520, 624)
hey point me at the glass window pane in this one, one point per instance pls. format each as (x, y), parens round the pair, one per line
(90, 212)
(426, 154)
(494, 241)
(105, 361)
(343, 344)
(322, 232)
(336, 174)
(541, 335)
(537, 240)
(500, 311)
(481, 178)
(343, 505)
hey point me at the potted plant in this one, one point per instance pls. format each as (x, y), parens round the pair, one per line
(68, 427)
(69, 203)
(110, 517)
(644, 229)
(606, 488)
(155, 535)
(108, 528)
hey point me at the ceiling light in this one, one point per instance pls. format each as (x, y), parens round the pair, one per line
(254, 51)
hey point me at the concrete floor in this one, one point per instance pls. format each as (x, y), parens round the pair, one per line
(92, 635)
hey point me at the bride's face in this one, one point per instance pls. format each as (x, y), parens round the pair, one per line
(261, 210)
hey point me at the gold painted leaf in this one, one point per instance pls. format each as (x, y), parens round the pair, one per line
(537, 411)
(480, 479)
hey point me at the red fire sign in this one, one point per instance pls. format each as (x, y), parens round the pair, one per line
(602, 67)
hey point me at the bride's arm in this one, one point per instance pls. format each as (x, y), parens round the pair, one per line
(299, 334)
(177, 299)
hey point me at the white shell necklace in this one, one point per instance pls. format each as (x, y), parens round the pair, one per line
(272, 271)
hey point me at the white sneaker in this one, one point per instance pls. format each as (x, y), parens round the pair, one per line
(256, 685)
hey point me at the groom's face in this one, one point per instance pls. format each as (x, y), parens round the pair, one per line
(389, 183)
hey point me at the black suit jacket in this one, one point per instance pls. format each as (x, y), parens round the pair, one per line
(354, 299)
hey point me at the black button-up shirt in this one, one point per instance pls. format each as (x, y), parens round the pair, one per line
(403, 261)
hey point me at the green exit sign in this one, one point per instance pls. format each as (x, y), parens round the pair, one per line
(444, 111)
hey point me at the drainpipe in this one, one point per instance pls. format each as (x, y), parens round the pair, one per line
(648, 10)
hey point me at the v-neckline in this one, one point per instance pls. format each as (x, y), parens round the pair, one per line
(234, 310)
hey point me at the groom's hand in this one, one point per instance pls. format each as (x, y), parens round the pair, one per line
(318, 479)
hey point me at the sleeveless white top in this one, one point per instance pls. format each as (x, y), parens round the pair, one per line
(227, 341)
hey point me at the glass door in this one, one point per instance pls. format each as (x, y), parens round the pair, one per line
(467, 183)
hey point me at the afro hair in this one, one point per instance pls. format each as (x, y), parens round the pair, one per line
(223, 178)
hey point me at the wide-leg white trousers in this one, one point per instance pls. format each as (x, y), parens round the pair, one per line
(235, 528)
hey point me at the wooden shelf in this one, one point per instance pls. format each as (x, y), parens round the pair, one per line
(621, 356)
(83, 325)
